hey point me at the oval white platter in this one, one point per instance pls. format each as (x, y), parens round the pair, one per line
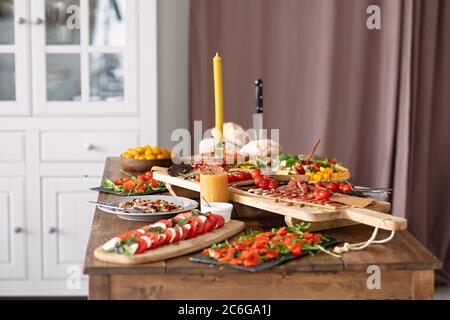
(186, 204)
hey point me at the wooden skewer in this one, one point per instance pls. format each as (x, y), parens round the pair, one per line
(311, 153)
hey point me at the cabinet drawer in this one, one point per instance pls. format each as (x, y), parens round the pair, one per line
(85, 146)
(12, 146)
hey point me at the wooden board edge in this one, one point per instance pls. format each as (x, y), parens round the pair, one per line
(230, 229)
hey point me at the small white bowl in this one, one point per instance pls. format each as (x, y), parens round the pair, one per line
(221, 208)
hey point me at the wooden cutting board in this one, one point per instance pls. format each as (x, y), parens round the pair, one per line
(180, 248)
(320, 214)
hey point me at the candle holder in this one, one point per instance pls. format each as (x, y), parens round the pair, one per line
(219, 150)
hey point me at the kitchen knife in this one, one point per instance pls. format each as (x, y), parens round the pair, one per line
(258, 115)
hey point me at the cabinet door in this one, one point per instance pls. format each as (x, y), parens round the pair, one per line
(14, 82)
(67, 217)
(84, 57)
(12, 229)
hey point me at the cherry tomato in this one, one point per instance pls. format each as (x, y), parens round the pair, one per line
(242, 176)
(129, 185)
(264, 184)
(232, 178)
(322, 194)
(149, 175)
(258, 180)
(333, 186)
(154, 184)
(273, 185)
(331, 161)
(316, 167)
(266, 177)
(299, 169)
(140, 188)
(296, 250)
(142, 178)
(256, 173)
(345, 187)
(118, 182)
(126, 179)
(197, 177)
(320, 184)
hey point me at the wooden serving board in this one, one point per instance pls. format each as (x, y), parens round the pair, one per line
(180, 248)
(309, 213)
(161, 174)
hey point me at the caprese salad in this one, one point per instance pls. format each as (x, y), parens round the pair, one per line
(183, 226)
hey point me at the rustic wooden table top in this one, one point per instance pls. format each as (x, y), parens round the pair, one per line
(403, 252)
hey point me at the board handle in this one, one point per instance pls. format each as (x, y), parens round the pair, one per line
(375, 218)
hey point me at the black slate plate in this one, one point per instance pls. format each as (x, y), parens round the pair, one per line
(263, 266)
(125, 194)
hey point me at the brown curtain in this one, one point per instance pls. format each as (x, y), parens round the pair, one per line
(376, 98)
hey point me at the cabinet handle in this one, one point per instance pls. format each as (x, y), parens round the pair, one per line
(89, 146)
(52, 230)
(38, 21)
(18, 230)
(21, 20)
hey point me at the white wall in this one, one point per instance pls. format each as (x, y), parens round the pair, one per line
(173, 40)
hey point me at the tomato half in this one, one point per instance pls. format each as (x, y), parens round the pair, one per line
(142, 246)
(220, 221)
(193, 231)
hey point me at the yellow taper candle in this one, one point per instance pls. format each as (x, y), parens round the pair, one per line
(218, 95)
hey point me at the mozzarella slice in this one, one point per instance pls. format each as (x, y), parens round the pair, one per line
(111, 244)
(141, 231)
(203, 218)
(147, 240)
(173, 234)
(133, 247)
(159, 225)
(187, 226)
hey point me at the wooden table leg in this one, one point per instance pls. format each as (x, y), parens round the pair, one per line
(423, 285)
(99, 287)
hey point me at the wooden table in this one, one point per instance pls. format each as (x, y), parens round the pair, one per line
(407, 268)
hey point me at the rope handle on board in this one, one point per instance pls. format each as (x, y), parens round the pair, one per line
(347, 247)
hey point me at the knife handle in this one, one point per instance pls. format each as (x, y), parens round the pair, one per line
(259, 95)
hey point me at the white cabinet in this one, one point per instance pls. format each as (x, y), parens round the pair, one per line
(14, 62)
(12, 146)
(66, 220)
(71, 94)
(12, 229)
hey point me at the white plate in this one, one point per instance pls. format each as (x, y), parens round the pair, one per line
(186, 204)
